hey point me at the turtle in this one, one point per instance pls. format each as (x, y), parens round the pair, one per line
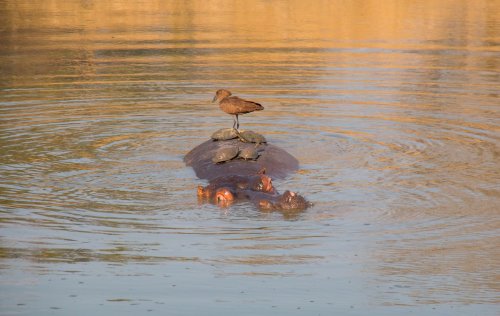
(225, 134)
(251, 137)
(249, 153)
(225, 154)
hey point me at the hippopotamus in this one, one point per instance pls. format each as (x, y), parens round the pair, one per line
(258, 182)
(226, 190)
(288, 201)
(225, 196)
(277, 162)
(236, 179)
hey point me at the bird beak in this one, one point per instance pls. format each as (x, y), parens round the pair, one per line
(214, 99)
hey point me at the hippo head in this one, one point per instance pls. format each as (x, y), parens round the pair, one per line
(223, 197)
(292, 201)
(288, 201)
(221, 94)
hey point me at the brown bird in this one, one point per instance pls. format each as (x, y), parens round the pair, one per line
(234, 105)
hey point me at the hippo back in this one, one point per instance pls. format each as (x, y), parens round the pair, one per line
(277, 162)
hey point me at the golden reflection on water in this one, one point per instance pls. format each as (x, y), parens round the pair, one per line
(70, 255)
(363, 20)
(85, 30)
(390, 106)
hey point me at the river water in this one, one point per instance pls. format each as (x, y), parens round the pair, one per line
(391, 107)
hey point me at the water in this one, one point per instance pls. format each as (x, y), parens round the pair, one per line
(391, 107)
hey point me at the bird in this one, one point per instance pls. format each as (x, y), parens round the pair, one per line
(234, 105)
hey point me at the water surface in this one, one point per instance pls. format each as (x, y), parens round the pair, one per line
(392, 109)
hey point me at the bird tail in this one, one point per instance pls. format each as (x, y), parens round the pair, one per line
(258, 107)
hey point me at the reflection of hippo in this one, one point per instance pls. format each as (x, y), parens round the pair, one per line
(277, 162)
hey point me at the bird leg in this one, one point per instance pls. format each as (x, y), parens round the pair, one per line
(234, 121)
(237, 122)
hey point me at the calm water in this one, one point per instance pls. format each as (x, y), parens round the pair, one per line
(391, 107)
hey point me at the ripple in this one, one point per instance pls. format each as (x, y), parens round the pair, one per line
(398, 142)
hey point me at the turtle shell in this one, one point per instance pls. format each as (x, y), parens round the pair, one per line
(225, 154)
(249, 153)
(251, 137)
(225, 134)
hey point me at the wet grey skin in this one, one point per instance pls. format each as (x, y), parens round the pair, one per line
(251, 137)
(225, 134)
(249, 153)
(225, 154)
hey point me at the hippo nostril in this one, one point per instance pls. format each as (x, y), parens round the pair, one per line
(264, 204)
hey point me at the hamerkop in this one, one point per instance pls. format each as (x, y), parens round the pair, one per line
(234, 105)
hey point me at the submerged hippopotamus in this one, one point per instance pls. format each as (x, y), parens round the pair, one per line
(225, 196)
(233, 178)
(259, 182)
(226, 190)
(288, 201)
(277, 162)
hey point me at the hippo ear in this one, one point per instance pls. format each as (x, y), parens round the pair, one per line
(262, 171)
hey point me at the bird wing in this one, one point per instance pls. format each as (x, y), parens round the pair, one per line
(240, 106)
